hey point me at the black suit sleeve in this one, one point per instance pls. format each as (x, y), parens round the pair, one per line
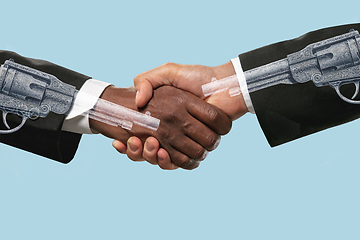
(43, 136)
(288, 112)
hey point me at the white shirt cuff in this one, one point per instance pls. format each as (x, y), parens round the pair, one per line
(242, 82)
(76, 121)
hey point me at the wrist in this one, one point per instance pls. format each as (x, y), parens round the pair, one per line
(224, 70)
(120, 96)
(237, 103)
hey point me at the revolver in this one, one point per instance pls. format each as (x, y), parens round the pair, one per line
(332, 62)
(30, 93)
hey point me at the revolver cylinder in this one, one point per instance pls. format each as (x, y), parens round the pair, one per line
(36, 88)
(31, 93)
(325, 61)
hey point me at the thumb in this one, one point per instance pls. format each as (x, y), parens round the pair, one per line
(144, 92)
(147, 81)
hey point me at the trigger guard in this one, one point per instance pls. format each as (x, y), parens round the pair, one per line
(4, 114)
(337, 89)
(356, 90)
(16, 128)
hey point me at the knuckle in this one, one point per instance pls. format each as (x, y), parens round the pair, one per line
(221, 120)
(137, 78)
(169, 65)
(214, 115)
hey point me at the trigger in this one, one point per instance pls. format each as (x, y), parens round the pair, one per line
(4, 120)
(356, 90)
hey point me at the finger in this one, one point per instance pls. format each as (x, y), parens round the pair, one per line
(203, 135)
(119, 146)
(210, 115)
(188, 147)
(182, 160)
(177, 157)
(134, 149)
(191, 164)
(164, 160)
(151, 148)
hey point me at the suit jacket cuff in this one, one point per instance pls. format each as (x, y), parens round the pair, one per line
(77, 121)
(242, 83)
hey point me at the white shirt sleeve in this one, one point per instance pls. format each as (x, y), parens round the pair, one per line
(86, 98)
(242, 82)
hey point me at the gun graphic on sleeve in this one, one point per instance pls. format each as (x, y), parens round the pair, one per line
(31, 94)
(332, 62)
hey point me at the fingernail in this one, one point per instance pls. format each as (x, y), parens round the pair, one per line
(216, 144)
(149, 147)
(132, 147)
(118, 148)
(137, 96)
(206, 153)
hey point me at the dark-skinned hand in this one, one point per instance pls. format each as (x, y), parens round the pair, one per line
(189, 127)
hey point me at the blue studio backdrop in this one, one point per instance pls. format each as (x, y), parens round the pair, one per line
(306, 189)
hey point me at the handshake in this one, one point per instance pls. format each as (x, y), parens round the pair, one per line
(192, 113)
(190, 123)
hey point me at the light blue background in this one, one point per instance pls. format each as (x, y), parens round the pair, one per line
(306, 189)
